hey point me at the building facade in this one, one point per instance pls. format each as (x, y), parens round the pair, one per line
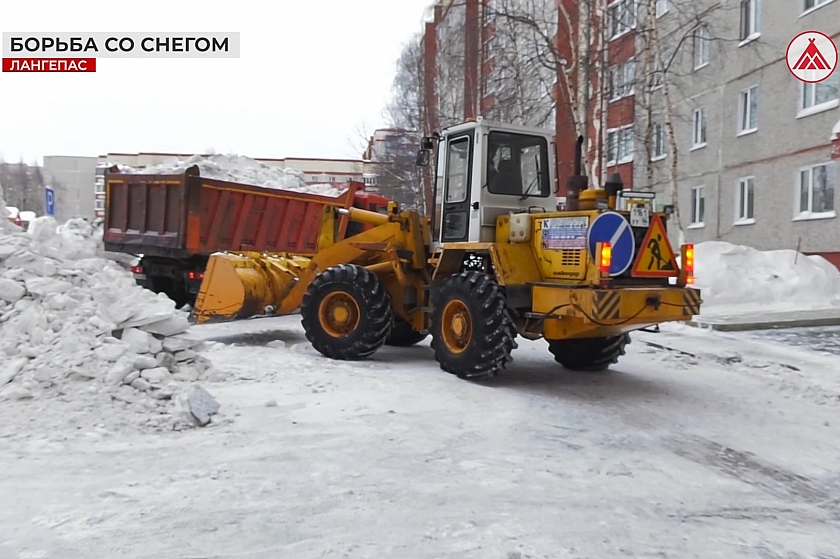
(510, 60)
(756, 163)
(75, 197)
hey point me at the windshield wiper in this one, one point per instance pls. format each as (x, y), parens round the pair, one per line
(536, 180)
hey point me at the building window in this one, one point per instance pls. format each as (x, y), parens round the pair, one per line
(698, 206)
(817, 97)
(620, 145)
(816, 190)
(99, 204)
(662, 7)
(748, 111)
(658, 142)
(750, 19)
(658, 74)
(813, 4)
(622, 80)
(621, 16)
(699, 128)
(100, 188)
(702, 40)
(745, 202)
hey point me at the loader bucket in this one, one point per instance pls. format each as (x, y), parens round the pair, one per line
(239, 286)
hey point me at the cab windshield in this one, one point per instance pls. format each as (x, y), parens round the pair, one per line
(517, 165)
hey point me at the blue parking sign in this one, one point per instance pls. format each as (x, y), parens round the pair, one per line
(50, 205)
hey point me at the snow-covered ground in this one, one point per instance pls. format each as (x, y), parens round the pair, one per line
(720, 446)
(241, 169)
(737, 279)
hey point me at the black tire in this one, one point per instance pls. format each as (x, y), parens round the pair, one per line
(480, 354)
(403, 334)
(589, 354)
(371, 315)
(171, 289)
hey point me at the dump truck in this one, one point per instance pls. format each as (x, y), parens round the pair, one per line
(177, 221)
(495, 261)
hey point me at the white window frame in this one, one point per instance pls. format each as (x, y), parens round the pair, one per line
(754, 21)
(622, 80)
(660, 138)
(742, 189)
(822, 107)
(657, 77)
(99, 204)
(622, 134)
(702, 46)
(99, 188)
(618, 5)
(745, 110)
(809, 214)
(699, 132)
(662, 7)
(817, 5)
(698, 193)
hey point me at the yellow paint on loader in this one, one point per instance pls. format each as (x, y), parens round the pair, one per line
(391, 282)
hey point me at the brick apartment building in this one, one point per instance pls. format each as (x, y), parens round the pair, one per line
(468, 73)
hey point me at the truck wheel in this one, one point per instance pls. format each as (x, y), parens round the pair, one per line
(473, 334)
(589, 354)
(403, 334)
(346, 313)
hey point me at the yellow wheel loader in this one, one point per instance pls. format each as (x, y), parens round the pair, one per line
(494, 261)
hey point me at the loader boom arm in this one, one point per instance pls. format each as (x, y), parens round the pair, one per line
(238, 286)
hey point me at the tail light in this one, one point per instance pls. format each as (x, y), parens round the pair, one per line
(689, 264)
(193, 275)
(136, 270)
(606, 259)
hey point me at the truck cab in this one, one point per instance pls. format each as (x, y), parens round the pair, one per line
(486, 169)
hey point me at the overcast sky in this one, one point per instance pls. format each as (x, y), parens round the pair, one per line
(310, 72)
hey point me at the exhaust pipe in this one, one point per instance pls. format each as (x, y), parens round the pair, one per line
(578, 182)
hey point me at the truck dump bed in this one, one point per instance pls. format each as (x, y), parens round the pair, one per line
(178, 216)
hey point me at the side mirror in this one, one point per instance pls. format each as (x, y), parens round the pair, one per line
(423, 158)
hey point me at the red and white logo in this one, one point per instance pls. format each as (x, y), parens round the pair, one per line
(812, 57)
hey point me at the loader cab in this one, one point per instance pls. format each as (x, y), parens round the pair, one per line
(485, 169)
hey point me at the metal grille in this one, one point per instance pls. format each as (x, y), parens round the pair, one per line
(570, 257)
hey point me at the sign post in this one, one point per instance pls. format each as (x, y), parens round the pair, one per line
(50, 201)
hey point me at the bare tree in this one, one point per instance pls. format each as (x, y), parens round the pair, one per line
(669, 50)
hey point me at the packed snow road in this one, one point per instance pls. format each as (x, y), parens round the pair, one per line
(717, 446)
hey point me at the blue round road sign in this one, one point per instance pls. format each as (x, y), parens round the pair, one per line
(613, 228)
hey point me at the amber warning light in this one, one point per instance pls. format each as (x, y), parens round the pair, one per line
(606, 259)
(689, 264)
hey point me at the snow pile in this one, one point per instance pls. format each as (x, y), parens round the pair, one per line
(75, 327)
(734, 279)
(237, 168)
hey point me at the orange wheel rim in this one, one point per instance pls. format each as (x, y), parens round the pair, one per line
(456, 327)
(339, 314)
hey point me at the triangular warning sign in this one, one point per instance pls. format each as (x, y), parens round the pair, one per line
(656, 257)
